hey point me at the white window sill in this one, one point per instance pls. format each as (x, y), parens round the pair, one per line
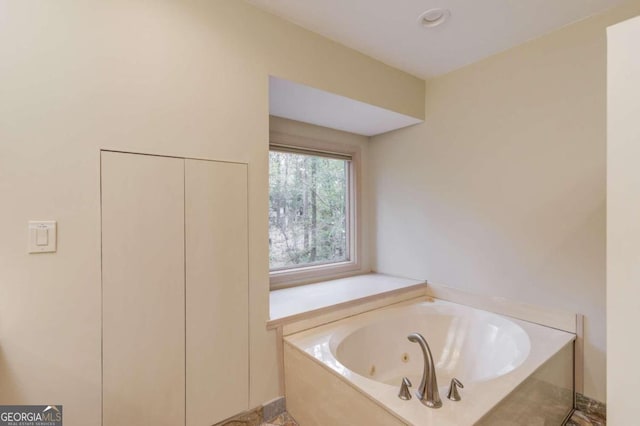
(299, 303)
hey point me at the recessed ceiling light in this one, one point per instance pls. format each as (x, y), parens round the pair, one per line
(434, 17)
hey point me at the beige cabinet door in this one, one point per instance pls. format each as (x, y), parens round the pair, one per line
(143, 280)
(217, 329)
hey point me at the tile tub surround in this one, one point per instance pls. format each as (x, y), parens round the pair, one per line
(544, 398)
(579, 418)
(311, 353)
(588, 412)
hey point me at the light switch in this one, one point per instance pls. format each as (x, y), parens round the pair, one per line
(42, 236)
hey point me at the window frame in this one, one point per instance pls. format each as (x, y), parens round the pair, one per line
(289, 277)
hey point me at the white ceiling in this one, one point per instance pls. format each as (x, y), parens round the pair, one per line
(388, 30)
(310, 105)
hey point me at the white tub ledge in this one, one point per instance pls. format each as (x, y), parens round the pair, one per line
(298, 308)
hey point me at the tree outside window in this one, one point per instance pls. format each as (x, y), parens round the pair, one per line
(308, 210)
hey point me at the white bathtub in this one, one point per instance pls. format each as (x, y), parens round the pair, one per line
(490, 354)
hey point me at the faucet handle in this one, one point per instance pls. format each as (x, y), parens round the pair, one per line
(404, 389)
(453, 394)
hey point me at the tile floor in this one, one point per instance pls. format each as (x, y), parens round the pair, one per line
(580, 418)
(283, 419)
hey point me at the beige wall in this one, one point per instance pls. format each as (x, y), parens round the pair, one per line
(179, 78)
(623, 221)
(502, 190)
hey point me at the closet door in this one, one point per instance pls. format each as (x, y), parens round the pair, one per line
(143, 290)
(217, 328)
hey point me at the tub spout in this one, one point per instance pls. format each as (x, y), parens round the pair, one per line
(427, 393)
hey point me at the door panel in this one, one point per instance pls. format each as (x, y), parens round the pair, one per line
(143, 290)
(217, 340)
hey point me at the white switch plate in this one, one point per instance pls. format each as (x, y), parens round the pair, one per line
(42, 236)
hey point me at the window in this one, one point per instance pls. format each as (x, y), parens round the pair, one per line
(312, 206)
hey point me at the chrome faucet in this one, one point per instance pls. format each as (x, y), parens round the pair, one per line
(427, 393)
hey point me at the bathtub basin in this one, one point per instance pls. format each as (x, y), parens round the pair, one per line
(490, 354)
(469, 344)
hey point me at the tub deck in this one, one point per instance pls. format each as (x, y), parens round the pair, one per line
(318, 385)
